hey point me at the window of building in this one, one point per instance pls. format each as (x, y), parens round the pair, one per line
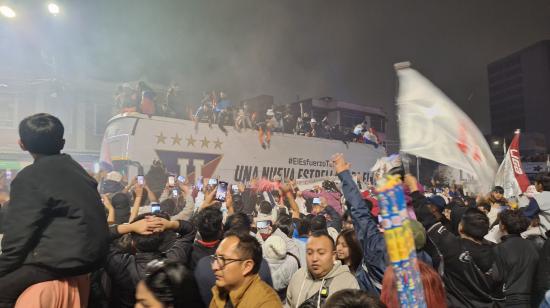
(377, 122)
(8, 116)
(350, 118)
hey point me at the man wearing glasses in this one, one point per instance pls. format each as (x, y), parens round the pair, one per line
(236, 265)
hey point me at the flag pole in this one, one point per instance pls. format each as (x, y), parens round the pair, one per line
(404, 158)
(418, 168)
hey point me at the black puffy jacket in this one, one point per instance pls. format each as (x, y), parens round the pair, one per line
(55, 219)
(542, 281)
(517, 260)
(469, 268)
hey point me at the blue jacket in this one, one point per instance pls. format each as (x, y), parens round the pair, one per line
(222, 105)
(532, 209)
(375, 259)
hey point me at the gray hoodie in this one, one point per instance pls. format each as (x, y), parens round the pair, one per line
(543, 199)
(303, 286)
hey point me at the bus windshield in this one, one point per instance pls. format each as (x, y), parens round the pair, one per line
(120, 127)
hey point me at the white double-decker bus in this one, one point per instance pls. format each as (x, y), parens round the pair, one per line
(133, 141)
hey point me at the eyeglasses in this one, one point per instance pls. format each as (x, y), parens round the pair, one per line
(222, 262)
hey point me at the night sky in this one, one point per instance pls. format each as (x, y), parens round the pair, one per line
(290, 48)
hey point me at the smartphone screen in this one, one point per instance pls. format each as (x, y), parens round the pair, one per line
(8, 175)
(235, 188)
(213, 182)
(264, 224)
(174, 193)
(316, 201)
(181, 179)
(155, 207)
(171, 181)
(221, 191)
(140, 180)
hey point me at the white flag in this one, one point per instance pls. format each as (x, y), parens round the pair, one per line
(510, 174)
(433, 127)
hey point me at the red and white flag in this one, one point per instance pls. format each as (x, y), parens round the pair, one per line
(433, 127)
(510, 174)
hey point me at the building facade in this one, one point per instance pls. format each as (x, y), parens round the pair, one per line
(519, 91)
(84, 107)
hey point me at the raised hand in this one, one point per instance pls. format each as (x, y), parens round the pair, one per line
(146, 226)
(410, 182)
(339, 163)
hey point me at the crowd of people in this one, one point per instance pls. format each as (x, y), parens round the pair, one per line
(73, 239)
(216, 108)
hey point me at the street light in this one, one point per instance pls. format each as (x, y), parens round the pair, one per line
(53, 8)
(7, 11)
(496, 142)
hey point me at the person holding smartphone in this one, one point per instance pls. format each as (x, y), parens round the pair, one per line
(221, 191)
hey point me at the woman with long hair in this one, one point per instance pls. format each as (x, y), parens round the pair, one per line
(348, 250)
(434, 293)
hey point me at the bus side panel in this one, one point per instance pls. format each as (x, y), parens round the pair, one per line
(239, 156)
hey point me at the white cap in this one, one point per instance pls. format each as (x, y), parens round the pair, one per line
(269, 112)
(313, 121)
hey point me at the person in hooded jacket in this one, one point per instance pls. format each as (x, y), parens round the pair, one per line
(310, 286)
(281, 264)
(121, 204)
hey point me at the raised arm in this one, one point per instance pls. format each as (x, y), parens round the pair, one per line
(287, 191)
(180, 250)
(446, 242)
(137, 202)
(208, 199)
(150, 194)
(110, 209)
(308, 194)
(187, 211)
(366, 227)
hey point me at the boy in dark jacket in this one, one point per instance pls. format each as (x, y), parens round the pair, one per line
(517, 260)
(55, 224)
(469, 265)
